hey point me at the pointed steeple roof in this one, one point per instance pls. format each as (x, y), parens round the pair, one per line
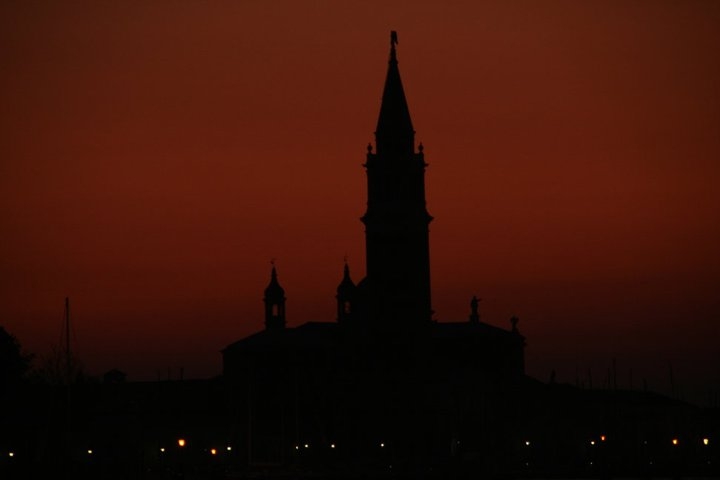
(346, 285)
(394, 133)
(274, 290)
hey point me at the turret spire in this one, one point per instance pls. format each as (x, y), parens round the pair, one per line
(274, 303)
(345, 296)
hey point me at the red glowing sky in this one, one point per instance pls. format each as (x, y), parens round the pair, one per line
(157, 155)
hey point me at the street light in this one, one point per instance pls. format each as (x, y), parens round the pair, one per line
(181, 442)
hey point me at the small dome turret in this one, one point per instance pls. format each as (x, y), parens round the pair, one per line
(346, 293)
(274, 303)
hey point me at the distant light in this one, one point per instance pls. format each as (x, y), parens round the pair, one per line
(307, 446)
(527, 443)
(213, 451)
(181, 442)
(706, 441)
(297, 447)
(674, 441)
(382, 445)
(89, 452)
(332, 445)
(592, 442)
(11, 454)
(162, 449)
(602, 438)
(229, 448)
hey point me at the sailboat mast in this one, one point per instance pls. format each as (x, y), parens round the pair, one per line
(67, 338)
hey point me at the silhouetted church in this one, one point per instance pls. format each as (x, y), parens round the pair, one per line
(381, 392)
(384, 377)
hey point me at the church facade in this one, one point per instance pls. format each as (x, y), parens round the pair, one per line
(384, 382)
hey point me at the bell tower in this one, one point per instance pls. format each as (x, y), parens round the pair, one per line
(396, 220)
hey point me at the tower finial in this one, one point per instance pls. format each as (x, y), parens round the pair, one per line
(393, 42)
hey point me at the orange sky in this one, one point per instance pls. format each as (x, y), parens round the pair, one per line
(156, 155)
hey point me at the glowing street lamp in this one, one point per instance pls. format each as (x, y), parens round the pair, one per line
(213, 451)
(675, 441)
(181, 442)
(706, 441)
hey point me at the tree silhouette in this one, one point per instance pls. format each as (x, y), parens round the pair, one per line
(14, 363)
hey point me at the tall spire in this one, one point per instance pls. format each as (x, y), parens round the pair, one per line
(394, 133)
(395, 294)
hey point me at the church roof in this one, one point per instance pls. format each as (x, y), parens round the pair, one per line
(455, 329)
(316, 334)
(329, 335)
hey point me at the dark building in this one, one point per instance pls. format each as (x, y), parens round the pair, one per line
(384, 382)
